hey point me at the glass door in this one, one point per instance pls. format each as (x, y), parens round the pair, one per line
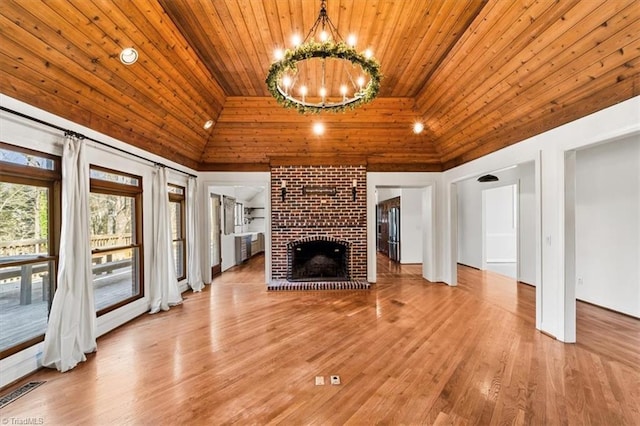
(214, 238)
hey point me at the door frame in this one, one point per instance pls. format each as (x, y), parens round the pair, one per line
(414, 180)
(213, 179)
(215, 269)
(515, 211)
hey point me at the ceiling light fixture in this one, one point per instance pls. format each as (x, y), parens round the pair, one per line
(208, 124)
(488, 178)
(323, 73)
(128, 56)
(318, 128)
(418, 128)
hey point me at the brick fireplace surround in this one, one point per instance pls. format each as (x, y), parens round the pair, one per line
(309, 210)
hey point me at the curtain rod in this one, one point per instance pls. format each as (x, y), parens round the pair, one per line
(81, 136)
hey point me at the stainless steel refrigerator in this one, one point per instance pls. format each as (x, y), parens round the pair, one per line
(394, 234)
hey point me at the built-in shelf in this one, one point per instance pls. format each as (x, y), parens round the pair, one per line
(249, 210)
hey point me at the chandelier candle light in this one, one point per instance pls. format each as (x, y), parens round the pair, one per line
(323, 73)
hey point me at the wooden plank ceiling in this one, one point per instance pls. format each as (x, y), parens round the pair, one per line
(480, 74)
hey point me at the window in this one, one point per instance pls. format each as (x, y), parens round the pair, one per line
(177, 210)
(29, 237)
(115, 206)
(229, 214)
(239, 215)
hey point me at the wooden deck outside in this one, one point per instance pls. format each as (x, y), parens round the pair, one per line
(21, 322)
(408, 352)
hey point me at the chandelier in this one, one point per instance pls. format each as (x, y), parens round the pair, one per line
(323, 72)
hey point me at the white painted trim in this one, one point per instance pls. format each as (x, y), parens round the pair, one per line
(453, 234)
(483, 229)
(569, 332)
(429, 267)
(538, 196)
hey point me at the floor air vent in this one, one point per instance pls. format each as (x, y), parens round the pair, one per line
(22, 390)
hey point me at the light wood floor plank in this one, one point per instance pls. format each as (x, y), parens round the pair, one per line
(408, 352)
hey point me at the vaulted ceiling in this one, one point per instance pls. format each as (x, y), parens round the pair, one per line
(480, 74)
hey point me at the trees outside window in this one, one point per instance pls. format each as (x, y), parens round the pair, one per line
(29, 238)
(115, 205)
(178, 228)
(239, 214)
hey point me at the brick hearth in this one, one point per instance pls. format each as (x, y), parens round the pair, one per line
(318, 212)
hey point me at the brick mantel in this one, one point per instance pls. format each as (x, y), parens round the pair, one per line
(326, 210)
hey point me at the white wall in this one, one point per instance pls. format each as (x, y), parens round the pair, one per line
(26, 133)
(257, 224)
(385, 194)
(608, 225)
(527, 225)
(411, 225)
(470, 223)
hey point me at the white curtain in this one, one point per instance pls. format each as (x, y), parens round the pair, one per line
(163, 287)
(193, 237)
(71, 331)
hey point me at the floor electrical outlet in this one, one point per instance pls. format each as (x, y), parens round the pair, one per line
(319, 381)
(335, 380)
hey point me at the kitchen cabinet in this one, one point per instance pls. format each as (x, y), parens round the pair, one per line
(248, 245)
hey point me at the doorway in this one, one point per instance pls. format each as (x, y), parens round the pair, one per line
(416, 226)
(238, 225)
(388, 228)
(500, 230)
(494, 224)
(214, 237)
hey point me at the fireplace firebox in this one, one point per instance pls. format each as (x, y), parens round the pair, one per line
(318, 260)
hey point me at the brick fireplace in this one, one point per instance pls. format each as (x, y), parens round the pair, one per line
(315, 208)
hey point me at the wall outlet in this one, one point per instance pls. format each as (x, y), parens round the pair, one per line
(335, 380)
(319, 381)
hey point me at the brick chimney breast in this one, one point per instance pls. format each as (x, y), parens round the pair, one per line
(320, 202)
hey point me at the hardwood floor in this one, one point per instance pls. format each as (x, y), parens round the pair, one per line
(408, 352)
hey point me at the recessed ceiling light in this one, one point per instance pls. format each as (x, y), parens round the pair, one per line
(128, 56)
(418, 128)
(318, 128)
(208, 124)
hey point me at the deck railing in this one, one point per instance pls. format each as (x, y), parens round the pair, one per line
(24, 266)
(29, 268)
(39, 246)
(20, 247)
